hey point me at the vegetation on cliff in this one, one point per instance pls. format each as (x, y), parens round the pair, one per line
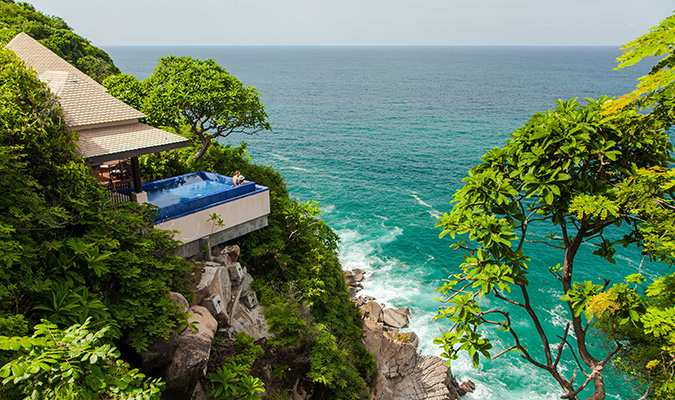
(55, 34)
(65, 253)
(96, 276)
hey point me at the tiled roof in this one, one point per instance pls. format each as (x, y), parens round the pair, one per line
(109, 128)
(84, 104)
(83, 100)
(128, 140)
(41, 59)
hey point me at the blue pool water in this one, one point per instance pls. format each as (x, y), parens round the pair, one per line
(186, 194)
(185, 188)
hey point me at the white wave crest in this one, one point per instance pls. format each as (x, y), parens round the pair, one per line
(431, 210)
(280, 157)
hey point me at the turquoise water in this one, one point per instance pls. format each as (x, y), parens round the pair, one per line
(382, 136)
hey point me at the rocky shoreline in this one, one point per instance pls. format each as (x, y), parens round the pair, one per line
(224, 304)
(403, 372)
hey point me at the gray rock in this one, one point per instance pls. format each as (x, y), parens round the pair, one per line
(404, 373)
(349, 278)
(180, 300)
(188, 363)
(250, 321)
(214, 304)
(394, 318)
(404, 311)
(229, 254)
(394, 358)
(236, 273)
(199, 392)
(215, 280)
(249, 299)
(466, 387)
(216, 307)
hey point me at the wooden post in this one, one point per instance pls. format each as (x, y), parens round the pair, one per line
(136, 174)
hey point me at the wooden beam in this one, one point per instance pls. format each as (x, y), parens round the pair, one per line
(136, 174)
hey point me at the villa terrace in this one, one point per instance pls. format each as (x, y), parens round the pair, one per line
(111, 139)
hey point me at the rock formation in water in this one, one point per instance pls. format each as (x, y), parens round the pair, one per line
(403, 372)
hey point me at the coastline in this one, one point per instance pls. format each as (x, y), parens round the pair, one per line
(404, 373)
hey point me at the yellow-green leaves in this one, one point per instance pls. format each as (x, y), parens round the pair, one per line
(593, 207)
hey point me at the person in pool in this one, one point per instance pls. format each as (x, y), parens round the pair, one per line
(237, 179)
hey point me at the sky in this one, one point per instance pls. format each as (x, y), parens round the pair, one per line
(359, 22)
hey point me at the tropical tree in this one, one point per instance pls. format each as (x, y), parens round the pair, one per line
(572, 173)
(558, 172)
(199, 94)
(644, 320)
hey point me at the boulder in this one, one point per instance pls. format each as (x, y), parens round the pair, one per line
(372, 311)
(188, 363)
(249, 299)
(349, 278)
(180, 300)
(216, 307)
(404, 311)
(466, 387)
(359, 274)
(404, 374)
(229, 255)
(395, 318)
(199, 392)
(236, 273)
(159, 354)
(429, 381)
(250, 321)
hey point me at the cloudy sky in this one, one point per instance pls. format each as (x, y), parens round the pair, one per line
(359, 22)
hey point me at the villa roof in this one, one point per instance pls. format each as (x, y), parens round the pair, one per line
(112, 142)
(84, 104)
(109, 128)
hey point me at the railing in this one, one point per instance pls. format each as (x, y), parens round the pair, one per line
(119, 192)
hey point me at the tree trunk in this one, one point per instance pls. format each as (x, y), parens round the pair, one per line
(202, 151)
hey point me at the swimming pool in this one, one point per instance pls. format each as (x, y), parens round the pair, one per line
(189, 193)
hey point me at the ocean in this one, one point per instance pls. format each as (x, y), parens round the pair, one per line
(381, 137)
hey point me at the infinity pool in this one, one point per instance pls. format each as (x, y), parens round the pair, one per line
(192, 192)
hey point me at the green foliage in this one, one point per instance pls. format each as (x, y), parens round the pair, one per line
(199, 95)
(68, 305)
(57, 36)
(645, 323)
(233, 380)
(654, 90)
(328, 367)
(563, 168)
(57, 229)
(287, 319)
(75, 363)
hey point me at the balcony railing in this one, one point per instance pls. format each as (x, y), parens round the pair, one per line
(120, 191)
